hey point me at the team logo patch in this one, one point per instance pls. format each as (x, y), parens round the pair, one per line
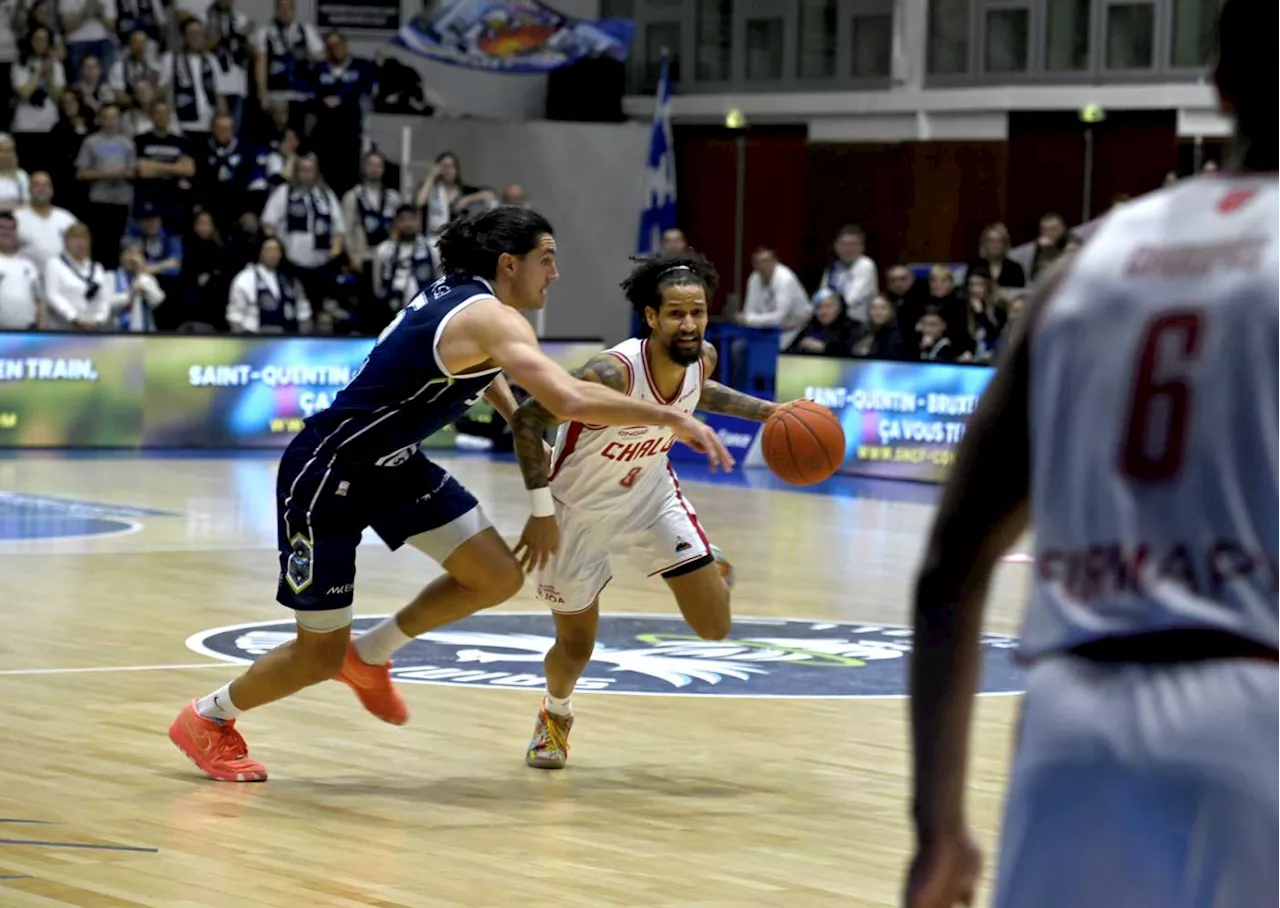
(298, 573)
(652, 654)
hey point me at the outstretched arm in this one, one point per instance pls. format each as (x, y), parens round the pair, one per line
(500, 397)
(716, 398)
(532, 418)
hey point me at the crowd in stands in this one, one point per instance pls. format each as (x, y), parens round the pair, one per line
(949, 313)
(171, 165)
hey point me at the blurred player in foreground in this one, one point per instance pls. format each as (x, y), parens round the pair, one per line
(615, 492)
(1136, 419)
(358, 464)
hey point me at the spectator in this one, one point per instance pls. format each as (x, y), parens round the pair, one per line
(15, 185)
(231, 178)
(107, 162)
(42, 226)
(229, 31)
(306, 217)
(1049, 244)
(775, 298)
(992, 261)
(38, 82)
(244, 241)
(89, 27)
(402, 267)
(69, 134)
(852, 274)
(907, 295)
(513, 195)
(342, 85)
(10, 24)
(142, 16)
(92, 88)
(131, 69)
(166, 168)
(438, 194)
(674, 243)
(75, 286)
(19, 281)
(282, 159)
(830, 332)
(265, 300)
(43, 14)
(935, 345)
(191, 78)
(135, 119)
(282, 69)
(206, 274)
(136, 293)
(161, 248)
(984, 320)
(883, 337)
(369, 210)
(942, 294)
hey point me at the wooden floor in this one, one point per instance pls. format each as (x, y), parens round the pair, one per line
(707, 801)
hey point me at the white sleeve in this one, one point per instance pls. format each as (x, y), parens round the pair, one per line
(273, 213)
(798, 307)
(18, 75)
(166, 71)
(258, 40)
(115, 78)
(59, 75)
(762, 310)
(150, 289)
(242, 308)
(862, 288)
(302, 305)
(56, 291)
(381, 262)
(315, 46)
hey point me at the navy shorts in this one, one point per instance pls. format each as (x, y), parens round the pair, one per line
(323, 507)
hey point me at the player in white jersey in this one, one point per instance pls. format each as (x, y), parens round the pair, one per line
(1135, 418)
(611, 492)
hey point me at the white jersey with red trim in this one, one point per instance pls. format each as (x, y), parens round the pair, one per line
(1153, 415)
(600, 468)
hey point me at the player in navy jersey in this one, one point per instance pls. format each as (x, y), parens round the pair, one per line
(357, 464)
(1134, 418)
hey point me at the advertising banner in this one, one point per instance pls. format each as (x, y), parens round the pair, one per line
(901, 420)
(358, 15)
(515, 36)
(105, 390)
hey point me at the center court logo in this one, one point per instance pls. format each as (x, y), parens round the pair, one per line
(652, 654)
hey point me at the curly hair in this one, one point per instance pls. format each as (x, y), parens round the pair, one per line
(644, 285)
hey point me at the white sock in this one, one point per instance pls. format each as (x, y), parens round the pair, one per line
(559, 706)
(218, 705)
(376, 646)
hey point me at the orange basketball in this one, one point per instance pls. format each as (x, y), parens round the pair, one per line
(803, 442)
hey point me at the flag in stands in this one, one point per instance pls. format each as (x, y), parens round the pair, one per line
(659, 211)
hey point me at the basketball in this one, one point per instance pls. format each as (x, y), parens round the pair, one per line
(803, 443)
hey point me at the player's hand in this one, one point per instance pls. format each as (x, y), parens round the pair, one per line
(944, 873)
(702, 438)
(539, 541)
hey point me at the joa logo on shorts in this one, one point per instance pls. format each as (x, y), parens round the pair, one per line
(651, 654)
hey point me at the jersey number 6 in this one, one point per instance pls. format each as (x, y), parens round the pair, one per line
(1160, 410)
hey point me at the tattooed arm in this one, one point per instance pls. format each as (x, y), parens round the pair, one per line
(532, 419)
(716, 398)
(541, 536)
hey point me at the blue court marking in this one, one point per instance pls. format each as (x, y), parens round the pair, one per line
(25, 516)
(85, 845)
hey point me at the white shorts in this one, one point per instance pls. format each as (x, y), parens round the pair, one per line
(1144, 786)
(659, 535)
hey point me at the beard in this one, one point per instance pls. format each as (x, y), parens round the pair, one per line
(684, 354)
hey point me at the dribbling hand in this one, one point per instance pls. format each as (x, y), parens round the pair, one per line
(944, 873)
(703, 439)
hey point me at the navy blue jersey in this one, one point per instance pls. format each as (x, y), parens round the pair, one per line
(402, 393)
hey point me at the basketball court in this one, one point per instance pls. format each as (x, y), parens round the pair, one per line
(769, 769)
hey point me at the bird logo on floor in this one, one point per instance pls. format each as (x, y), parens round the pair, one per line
(652, 654)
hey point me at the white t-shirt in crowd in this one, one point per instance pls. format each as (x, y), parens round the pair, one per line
(19, 290)
(300, 248)
(28, 117)
(206, 107)
(42, 238)
(66, 290)
(243, 312)
(92, 30)
(315, 47)
(15, 189)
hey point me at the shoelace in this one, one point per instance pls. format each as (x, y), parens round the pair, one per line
(551, 733)
(231, 744)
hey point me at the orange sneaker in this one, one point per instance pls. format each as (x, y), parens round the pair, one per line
(372, 684)
(216, 748)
